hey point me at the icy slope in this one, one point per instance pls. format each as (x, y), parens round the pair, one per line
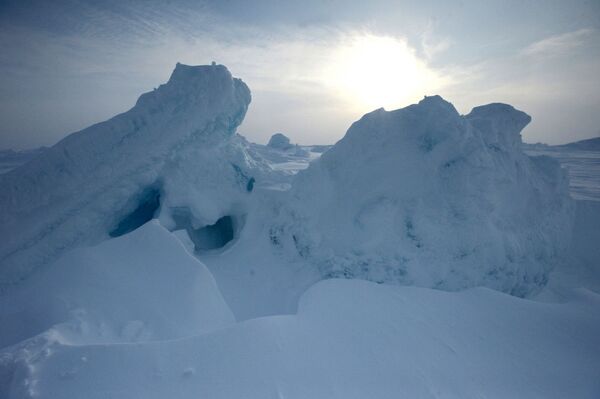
(176, 142)
(424, 196)
(350, 339)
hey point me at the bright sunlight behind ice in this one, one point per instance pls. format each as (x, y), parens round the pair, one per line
(380, 71)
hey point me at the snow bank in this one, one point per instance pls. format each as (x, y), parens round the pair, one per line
(350, 339)
(424, 196)
(582, 268)
(139, 287)
(174, 155)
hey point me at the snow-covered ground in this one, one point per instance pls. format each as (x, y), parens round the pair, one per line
(161, 255)
(138, 317)
(583, 166)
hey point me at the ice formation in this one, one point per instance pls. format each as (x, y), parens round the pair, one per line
(424, 196)
(173, 154)
(131, 248)
(417, 196)
(279, 141)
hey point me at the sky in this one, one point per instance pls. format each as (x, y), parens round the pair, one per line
(313, 66)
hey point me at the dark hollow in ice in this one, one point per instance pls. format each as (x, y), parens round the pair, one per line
(207, 237)
(147, 205)
(213, 236)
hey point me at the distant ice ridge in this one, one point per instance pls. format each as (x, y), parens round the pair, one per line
(279, 141)
(174, 151)
(424, 196)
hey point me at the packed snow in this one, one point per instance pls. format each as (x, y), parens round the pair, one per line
(160, 254)
(125, 289)
(349, 339)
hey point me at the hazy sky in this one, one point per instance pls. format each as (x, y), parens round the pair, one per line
(313, 66)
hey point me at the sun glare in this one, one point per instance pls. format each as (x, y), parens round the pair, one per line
(376, 71)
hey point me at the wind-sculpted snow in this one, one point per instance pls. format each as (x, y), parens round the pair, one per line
(424, 196)
(177, 141)
(139, 287)
(349, 339)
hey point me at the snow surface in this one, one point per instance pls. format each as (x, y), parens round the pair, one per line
(141, 286)
(583, 166)
(350, 339)
(582, 269)
(159, 254)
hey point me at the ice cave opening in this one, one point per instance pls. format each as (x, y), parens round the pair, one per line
(213, 236)
(207, 237)
(147, 206)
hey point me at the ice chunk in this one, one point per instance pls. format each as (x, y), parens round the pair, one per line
(179, 137)
(425, 196)
(279, 141)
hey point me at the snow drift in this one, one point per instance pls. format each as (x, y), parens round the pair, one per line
(424, 196)
(350, 339)
(142, 286)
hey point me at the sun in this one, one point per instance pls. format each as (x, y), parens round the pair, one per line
(380, 71)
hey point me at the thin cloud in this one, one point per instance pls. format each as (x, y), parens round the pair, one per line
(431, 44)
(87, 61)
(559, 45)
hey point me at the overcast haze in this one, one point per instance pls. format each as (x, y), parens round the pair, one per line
(313, 66)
